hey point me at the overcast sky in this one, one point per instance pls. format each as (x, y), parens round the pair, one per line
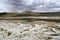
(33, 5)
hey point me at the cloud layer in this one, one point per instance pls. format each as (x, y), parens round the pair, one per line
(33, 5)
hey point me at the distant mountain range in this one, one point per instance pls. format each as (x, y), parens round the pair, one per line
(28, 13)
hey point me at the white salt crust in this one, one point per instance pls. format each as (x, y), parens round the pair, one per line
(23, 31)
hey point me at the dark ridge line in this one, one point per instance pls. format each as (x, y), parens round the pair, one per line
(32, 14)
(32, 20)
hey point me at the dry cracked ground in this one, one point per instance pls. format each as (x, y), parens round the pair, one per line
(20, 30)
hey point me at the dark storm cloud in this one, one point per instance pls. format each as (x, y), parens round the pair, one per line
(34, 5)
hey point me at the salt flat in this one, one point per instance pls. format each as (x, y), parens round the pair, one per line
(21, 30)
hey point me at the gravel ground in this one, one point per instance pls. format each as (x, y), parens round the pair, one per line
(20, 30)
